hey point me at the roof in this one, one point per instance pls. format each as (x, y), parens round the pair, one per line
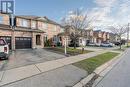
(38, 18)
(7, 27)
(29, 30)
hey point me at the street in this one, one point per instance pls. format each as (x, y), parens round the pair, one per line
(119, 76)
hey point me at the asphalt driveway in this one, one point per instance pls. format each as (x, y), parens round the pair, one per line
(25, 57)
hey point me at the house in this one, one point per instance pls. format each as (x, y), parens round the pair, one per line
(97, 36)
(29, 31)
(86, 38)
(101, 36)
(82, 36)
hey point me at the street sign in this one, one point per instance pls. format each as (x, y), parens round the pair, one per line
(7, 6)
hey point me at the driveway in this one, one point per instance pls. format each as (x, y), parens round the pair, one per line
(20, 58)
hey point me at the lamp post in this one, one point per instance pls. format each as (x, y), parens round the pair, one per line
(65, 45)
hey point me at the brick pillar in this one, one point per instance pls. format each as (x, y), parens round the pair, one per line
(33, 40)
(42, 40)
(13, 40)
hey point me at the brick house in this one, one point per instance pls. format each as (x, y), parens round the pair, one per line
(29, 31)
(101, 36)
(84, 36)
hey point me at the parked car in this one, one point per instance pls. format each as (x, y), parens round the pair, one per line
(98, 44)
(106, 45)
(91, 44)
(118, 43)
(4, 49)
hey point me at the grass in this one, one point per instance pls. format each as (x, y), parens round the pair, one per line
(70, 51)
(92, 63)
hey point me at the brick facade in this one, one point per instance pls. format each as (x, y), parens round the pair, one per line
(31, 27)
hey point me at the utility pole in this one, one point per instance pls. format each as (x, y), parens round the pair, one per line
(128, 31)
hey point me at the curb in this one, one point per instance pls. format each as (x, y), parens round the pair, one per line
(101, 71)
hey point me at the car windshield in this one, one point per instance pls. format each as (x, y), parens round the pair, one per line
(2, 42)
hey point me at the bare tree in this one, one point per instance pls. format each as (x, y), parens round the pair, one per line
(77, 21)
(119, 31)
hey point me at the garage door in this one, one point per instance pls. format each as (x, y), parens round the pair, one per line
(23, 42)
(7, 39)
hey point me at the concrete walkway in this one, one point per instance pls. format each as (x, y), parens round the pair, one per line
(13, 75)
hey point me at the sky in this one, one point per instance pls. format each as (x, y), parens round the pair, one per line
(106, 12)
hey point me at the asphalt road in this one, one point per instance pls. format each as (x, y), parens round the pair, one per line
(119, 76)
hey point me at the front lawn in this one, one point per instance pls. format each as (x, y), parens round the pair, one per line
(70, 51)
(92, 63)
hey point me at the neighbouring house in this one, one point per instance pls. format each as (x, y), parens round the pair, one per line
(83, 36)
(86, 38)
(29, 31)
(101, 36)
(98, 36)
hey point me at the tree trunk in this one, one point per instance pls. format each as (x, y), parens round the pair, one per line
(82, 50)
(74, 45)
(120, 44)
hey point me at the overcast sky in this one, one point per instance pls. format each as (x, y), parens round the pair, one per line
(109, 11)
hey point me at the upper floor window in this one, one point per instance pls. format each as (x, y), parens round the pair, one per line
(23, 23)
(1, 19)
(34, 24)
(80, 40)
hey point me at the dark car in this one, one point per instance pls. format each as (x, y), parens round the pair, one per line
(118, 43)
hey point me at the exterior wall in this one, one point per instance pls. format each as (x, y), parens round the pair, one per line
(5, 32)
(50, 29)
(22, 34)
(5, 19)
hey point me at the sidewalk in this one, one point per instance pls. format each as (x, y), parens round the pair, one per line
(10, 76)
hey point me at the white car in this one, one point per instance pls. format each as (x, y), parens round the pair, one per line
(106, 45)
(4, 49)
(91, 44)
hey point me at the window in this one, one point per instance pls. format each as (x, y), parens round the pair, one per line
(60, 38)
(80, 40)
(1, 19)
(23, 23)
(34, 24)
(55, 38)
